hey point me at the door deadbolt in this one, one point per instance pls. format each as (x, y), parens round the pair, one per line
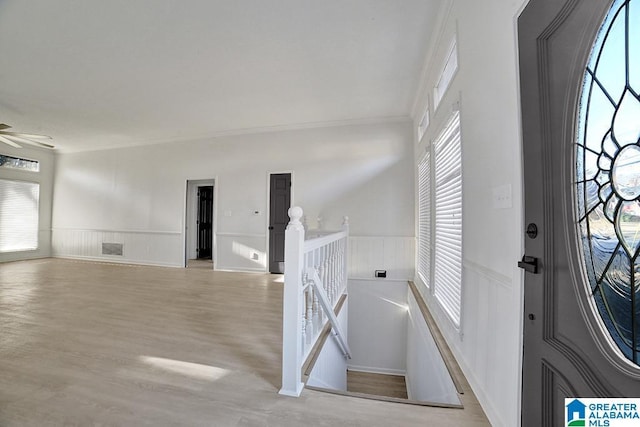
(532, 231)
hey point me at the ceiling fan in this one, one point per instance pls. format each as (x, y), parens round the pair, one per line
(13, 138)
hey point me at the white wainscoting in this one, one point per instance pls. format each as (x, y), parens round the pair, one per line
(491, 344)
(233, 251)
(396, 254)
(241, 252)
(162, 248)
(488, 349)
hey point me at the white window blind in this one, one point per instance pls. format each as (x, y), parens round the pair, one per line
(18, 215)
(448, 219)
(424, 219)
(448, 71)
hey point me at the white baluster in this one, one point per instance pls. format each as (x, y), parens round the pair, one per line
(345, 258)
(317, 314)
(309, 315)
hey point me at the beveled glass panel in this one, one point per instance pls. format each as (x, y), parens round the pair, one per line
(611, 70)
(626, 172)
(626, 126)
(603, 177)
(617, 295)
(634, 44)
(591, 164)
(597, 45)
(584, 237)
(592, 195)
(611, 206)
(603, 240)
(628, 226)
(599, 119)
(609, 147)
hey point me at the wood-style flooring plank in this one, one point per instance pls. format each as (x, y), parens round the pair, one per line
(84, 343)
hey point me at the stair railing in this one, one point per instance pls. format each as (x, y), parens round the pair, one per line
(315, 276)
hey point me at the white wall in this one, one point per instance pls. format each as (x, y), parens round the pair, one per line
(427, 376)
(378, 326)
(45, 179)
(137, 194)
(488, 346)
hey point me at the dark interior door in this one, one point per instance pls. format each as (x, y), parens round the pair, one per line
(205, 222)
(567, 352)
(279, 203)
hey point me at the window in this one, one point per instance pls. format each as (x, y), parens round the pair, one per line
(446, 192)
(424, 219)
(446, 76)
(18, 163)
(18, 215)
(424, 124)
(448, 219)
(607, 180)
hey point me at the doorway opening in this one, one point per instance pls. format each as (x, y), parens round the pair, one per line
(279, 204)
(199, 224)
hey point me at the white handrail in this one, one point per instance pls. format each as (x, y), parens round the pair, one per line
(315, 275)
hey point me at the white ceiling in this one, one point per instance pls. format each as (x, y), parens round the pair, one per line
(106, 73)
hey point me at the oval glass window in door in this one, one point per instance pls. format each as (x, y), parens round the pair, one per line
(608, 174)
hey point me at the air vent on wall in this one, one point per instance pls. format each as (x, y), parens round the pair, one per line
(112, 249)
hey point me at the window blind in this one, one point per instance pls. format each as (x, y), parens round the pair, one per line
(424, 219)
(18, 215)
(448, 219)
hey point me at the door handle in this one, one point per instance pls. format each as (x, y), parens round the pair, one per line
(529, 264)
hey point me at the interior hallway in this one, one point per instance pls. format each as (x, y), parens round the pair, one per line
(92, 343)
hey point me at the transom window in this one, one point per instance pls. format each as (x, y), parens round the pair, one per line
(608, 174)
(19, 163)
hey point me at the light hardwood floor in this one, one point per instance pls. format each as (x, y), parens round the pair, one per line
(100, 344)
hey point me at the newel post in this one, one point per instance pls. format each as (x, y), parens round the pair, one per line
(292, 306)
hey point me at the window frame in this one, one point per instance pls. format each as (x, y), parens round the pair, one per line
(437, 256)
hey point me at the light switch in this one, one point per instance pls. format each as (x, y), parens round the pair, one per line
(502, 197)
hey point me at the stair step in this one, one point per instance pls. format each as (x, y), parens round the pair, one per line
(377, 384)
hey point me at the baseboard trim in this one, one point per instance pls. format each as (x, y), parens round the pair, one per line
(382, 371)
(117, 261)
